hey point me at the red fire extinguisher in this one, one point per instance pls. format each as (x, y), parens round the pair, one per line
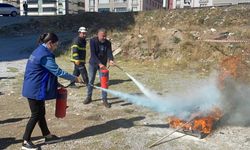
(104, 78)
(61, 103)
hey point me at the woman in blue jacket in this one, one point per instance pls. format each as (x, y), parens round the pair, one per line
(40, 84)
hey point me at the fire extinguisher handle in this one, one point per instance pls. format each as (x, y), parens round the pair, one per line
(60, 85)
(72, 82)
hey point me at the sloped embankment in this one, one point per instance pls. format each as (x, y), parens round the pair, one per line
(169, 38)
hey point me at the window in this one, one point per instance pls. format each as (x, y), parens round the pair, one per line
(187, 2)
(203, 5)
(33, 2)
(103, 1)
(121, 9)
(103, 9)
(178, 4)
(134, 1)
(33, 9)
(50, 9)
(120, 1)
(92, 3)
(134, 9)
(60, 11)
(49, 1)
(203, 1)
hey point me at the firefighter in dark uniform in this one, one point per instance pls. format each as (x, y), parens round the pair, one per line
(78, 55)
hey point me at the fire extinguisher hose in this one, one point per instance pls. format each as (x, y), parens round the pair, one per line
(72, 82)
(120, 68)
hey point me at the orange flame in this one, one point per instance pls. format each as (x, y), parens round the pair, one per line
(202, 124)
(229, 68)
(205, 123)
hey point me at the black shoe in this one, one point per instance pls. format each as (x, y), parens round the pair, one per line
(28, 145)
(87, 100)
(106, 104)
(52, 139)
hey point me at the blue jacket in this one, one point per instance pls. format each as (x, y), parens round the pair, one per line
(40, 79)
(100, 52)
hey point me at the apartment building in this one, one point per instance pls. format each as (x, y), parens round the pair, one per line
(121, 5)
(229, 2)
(44, 7)
(53, 7)
(173, 4)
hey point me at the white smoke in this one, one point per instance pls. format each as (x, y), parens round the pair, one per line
(149, 93)
(182, 104)
(233, 100)
(236, 103)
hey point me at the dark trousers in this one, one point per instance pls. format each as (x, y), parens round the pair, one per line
(81, 70)
(26, 13)
(37, 108)
(92, 73)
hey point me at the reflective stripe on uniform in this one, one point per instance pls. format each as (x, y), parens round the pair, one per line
(78, 53)
(74, 60)
(78, 47)
(75, 54)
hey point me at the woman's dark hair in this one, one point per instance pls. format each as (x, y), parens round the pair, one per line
(46, 37)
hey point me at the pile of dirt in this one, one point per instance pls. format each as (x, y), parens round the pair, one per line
(178, 36)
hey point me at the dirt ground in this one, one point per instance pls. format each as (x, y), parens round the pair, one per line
(124, 126)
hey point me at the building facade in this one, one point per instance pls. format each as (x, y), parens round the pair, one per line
(229, 2)
(53, 7)
(44, 7)
(174, 4)
(121, 5)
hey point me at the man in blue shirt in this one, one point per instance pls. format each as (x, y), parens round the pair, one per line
(100, 55)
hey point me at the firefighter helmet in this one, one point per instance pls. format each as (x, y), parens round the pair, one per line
(82, 29)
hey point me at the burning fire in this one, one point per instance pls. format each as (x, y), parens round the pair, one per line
(201, 123)
(229, 68)
(204, 123)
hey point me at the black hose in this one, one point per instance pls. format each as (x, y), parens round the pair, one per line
(120, 68)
